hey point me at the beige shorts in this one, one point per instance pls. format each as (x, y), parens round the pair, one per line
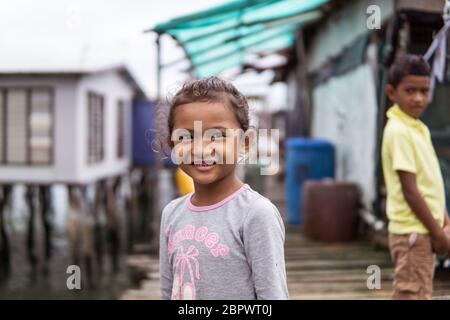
(414, 262)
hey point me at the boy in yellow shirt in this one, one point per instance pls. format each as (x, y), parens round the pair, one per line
(415, 190)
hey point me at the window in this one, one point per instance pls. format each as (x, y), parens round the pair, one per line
(95, 128)
(16, 126)
(120, 129)
(40, 123)
(26, 125)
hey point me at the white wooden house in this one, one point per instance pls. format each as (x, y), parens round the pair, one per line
(65, 126)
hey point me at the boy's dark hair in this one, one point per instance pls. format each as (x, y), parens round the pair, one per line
(407, 65)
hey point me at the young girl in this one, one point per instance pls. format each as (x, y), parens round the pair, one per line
(224, 240)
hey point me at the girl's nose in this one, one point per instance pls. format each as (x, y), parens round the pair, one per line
(197, 149)
(201, 151)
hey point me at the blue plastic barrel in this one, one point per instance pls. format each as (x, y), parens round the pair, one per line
(144, 135)
(307, 159)
(143, 132)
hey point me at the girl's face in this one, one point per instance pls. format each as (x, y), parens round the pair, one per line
(209, 153)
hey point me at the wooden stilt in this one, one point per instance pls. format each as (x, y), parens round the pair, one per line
(5, 254)
(144, 207)
(144, 188)
(112, 225)
(73, 225)
(154, 211)
(44, 197)
(98, 228)
(30, 197)
(87, 238)
(131, 210)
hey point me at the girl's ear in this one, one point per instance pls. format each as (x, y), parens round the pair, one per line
(247, 144)
(170, 143)
(249, 139)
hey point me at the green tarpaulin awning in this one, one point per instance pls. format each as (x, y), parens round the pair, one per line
(220, 38)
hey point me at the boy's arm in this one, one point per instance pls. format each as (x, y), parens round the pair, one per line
(421, 210)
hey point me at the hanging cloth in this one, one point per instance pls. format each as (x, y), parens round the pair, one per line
(439, 49)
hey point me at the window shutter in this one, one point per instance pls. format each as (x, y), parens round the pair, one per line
(16, 122)
(40, 126)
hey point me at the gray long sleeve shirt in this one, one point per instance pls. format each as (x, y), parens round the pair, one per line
(233, 249)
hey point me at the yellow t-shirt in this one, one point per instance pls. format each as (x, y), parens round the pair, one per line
(407, 147)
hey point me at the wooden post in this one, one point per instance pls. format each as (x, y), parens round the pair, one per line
(5, 255)
(112, 228)
(131, 209)
(98, 228)
(145, 209)
(73, 225)
(387, 58)
(44, 197)
(87, 237)
(153, 193)
(303, 99)
(30, 197)
(158, 66)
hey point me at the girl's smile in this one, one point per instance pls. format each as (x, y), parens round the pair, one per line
(204, 167)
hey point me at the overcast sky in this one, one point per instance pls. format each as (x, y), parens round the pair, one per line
(67, 34)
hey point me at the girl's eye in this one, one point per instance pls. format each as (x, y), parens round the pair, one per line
(216, 136)
(185, 137)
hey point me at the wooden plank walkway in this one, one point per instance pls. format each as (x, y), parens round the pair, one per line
(315, 270)
(318, 270)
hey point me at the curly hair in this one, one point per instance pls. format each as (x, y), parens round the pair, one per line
(211, 89)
